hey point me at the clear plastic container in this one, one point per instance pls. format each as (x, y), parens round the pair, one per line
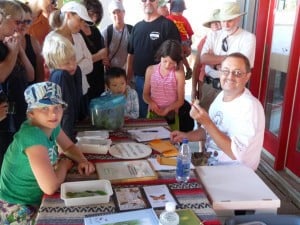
(169, 216)
(108, 111)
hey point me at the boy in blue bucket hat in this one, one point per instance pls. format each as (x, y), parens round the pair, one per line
(32, 165)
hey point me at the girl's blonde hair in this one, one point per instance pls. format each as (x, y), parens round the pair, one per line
(57, 50)
(10, 9)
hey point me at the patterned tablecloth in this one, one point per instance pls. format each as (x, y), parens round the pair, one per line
(189, 195)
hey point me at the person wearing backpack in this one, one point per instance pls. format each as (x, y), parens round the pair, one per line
(116, 36)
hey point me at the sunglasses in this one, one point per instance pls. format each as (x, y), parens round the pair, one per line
(23, 22)
(236, 73)
(149, 1)
(225, 44)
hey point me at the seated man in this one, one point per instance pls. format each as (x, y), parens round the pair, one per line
(233, 129)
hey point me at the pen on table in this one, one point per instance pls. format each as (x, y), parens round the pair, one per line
(151, 131)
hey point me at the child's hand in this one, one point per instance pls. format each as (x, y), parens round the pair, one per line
(3, 110)
(86, 167)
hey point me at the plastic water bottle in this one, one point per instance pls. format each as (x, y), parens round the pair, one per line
(183, 165)
(169, 216)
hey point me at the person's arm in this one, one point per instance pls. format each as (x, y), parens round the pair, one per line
(221, 139)
(129, 68)
(73, 152)
(85, 62)
(195, 76)
(208, 55)
(194, 135)
(147, 89)
(39, 70)
(211, 59)
(27, 64)
(100, 55)
(48, 179)
(3, 110)
(7, 65)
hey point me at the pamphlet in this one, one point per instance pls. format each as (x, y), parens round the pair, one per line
(126, 171)
(140, 217)
(151, 133)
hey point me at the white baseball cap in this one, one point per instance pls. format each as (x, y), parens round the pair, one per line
(114, 5)
(77, 8)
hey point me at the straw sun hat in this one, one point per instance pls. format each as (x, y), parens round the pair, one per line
(212, 17)
(230, 10)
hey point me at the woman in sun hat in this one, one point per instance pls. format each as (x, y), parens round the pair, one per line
(68, 22)
(213, 23)
(31, 165)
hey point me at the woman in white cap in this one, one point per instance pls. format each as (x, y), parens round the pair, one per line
(68, 22)
(32, 165)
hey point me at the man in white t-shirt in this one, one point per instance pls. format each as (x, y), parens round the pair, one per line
(231, 38)
(233, 129)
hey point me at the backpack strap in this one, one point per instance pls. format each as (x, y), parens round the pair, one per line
(129, 28)
(109, 34)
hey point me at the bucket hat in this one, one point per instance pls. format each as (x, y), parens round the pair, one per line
(43, 94)
(212, 17)
(230, 10)
(77, 8)
(177, 6)
(114, 5)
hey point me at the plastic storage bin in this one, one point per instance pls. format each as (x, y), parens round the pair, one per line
(93, 135)
(80, 186)
(107, 111)
(94, 146)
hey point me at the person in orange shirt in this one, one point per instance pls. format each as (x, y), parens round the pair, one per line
(41, 10)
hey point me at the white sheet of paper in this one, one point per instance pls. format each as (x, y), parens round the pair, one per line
(150, 133)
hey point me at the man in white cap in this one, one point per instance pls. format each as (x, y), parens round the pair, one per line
(219, 44)
(116, 36)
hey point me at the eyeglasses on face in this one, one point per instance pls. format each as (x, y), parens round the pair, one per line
(225, 44)
(149, 0)
(236, 73)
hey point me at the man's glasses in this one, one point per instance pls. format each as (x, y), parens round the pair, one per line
(225, 44)
(236, 73)
(149, 0)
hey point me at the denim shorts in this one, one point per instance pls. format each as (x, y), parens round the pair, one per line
(17, 214)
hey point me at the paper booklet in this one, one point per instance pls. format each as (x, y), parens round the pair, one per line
(126, 171)
(149, 133)
(140, 217)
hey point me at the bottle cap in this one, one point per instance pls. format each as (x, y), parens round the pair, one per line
(185, 140)
(170, 206)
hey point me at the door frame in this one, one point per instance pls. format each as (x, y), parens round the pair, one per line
(277, 146)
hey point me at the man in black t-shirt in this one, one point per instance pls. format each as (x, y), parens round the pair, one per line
(146, 37)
